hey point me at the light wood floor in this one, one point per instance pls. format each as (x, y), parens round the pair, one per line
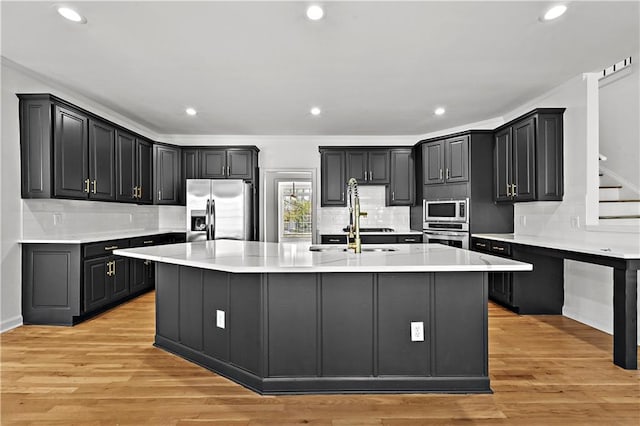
(545, 370)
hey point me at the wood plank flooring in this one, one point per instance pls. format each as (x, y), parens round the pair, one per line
(545, 370)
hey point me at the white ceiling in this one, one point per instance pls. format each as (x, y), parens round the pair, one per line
(256, 68)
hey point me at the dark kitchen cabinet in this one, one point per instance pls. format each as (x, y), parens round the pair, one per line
(64, 284)
(190, 170)
(102, 164)
(70, 153)
(106, 279)
(228, 163)
(167, 181)
(401, 191)
(446, 161)
(368, 166)
(134, 157)
(528, 158)
(332, 178)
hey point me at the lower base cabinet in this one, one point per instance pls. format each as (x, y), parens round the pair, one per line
(63, 284)
(533, 292)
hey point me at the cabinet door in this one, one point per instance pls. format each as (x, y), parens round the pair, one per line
(332, 179)
(240, 164)
(549, 172)
(457, 159)
(167, 175)
(502, 165)
(71, 168)
(120, 278)
(379, 167)
(400, 191)
(190, 170)
(433, 162)
(144, 161)
(137, 275)
(523, 172)
(126, 178)
(96, 283)
(213, 163)
(102, 161)
(357, 166)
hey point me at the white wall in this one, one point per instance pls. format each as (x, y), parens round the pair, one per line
(620, 125)
(588, 288)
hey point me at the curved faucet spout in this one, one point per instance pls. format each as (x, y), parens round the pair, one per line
(354, 216)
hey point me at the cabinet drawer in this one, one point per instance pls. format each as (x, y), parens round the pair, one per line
(500, 248)
(104, 248)
(478, 244)
(378, 239)
(150, 240)
(409, 239)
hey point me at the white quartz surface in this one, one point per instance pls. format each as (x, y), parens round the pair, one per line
(259, 257)
(97, 236)
(625, 246)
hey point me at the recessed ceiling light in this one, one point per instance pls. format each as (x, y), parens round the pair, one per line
(315, 111)
(439, 111)
(315, 12)
(71, 14)
(191, 111)
(554, 12)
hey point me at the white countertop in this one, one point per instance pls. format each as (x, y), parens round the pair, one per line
(259, 257)
(617, 245)
(95, 237)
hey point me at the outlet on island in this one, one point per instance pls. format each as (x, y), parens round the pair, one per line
(219, 319)
(417, 331)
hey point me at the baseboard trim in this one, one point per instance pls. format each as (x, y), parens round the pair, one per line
(11, 323)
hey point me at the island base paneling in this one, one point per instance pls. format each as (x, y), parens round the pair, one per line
(328, 332)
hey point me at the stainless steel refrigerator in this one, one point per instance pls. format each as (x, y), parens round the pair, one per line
(219, 209)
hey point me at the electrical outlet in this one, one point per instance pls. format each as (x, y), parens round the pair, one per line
(417, 331)
(219, 319)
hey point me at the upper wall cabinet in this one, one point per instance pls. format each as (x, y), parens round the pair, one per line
(446, 161)
(167, 181)
(134, 170)
(401, 191)
(369, 166)
(228, 163)
(528, 157)
(65, 152)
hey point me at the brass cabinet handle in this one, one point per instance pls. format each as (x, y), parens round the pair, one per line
(139, 192)
(481, 244)
(113, 262)
(110, 272)
(335, 240)
(342, 196)
(228, 170)
(448, 174)
(513, 190)
(111, 247)
(508, 190)
(95, 186)
(365, 176)
(393, 195)
(440, 173)
(147, 262)
(497, 248)
(148, 242)
(370, 175)
(86, 185)
(410, 240)
(159, 195)
(135, 192)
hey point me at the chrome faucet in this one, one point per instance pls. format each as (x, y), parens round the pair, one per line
(354, 217)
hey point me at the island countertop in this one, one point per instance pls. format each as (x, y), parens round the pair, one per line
(261, 257)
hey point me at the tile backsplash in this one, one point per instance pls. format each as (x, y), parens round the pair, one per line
(372, 200)
(50, 217)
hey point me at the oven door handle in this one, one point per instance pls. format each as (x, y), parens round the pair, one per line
(446, 233)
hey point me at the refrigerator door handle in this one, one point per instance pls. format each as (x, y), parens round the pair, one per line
(213, 219)
(206, 218)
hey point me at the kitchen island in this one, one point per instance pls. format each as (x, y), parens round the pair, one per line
(278, 318)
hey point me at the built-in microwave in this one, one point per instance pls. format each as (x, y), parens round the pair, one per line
(446, 210)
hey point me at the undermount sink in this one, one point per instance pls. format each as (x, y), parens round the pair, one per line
(323, 248)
